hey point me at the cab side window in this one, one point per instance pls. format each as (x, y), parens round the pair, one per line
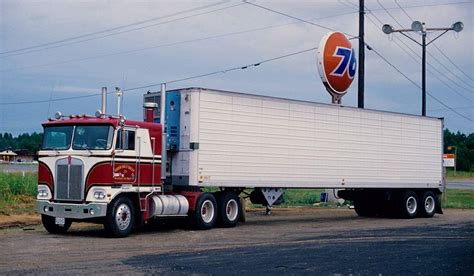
(125, 140)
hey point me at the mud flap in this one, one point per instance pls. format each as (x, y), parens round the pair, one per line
(439, 210)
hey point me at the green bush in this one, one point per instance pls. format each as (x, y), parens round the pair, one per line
(14, 184)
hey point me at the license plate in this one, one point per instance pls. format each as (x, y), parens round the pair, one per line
(60, 221)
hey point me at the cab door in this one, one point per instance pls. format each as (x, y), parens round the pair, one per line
(126, 158)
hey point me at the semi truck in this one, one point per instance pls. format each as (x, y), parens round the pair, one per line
(122, 173)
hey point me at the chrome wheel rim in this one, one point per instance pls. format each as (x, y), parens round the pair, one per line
(429, 204)
(207, 211)
(123, 216)
(411, 205)
(232, 209)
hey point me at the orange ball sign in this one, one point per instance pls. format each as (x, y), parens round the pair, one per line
(336, 63)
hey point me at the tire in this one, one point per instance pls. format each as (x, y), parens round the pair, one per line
(229, 209)
(205, 214)
(120, 218)
(408, 204)
(364, 209)
(429, 204)
(50, 225)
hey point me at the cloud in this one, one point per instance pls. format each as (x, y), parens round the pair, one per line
(30, 22)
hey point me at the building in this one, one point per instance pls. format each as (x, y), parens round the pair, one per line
(7, 156)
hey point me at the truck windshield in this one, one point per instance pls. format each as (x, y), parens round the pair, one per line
(87, 137)
(57, 137)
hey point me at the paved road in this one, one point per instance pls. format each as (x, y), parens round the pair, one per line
(461, 185)
(297, 241)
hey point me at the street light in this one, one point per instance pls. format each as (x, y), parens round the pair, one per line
(418, 26)
(455, 156)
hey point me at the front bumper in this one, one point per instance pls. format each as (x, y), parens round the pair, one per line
(71, 210)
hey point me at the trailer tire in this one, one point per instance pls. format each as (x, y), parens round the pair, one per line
(205, 213)
(229, 209)
(408, 204)
(429, 204)
(120, 217)
(50, 225)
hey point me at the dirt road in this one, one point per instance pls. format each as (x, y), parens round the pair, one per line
(308, 241)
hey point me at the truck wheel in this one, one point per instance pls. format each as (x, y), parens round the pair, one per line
(229, 209)
(205, 214)
(53, 228)
(429, 204)
(364, 209)
(120, 218)
(408, 204)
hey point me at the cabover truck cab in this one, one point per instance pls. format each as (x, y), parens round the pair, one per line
(107, 169)
(121, 173)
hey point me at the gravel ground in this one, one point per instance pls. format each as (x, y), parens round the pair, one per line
(290, 241)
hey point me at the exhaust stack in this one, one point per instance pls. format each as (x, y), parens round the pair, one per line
(164, 158)
(104, 100)
(119, 93)
(149, 111)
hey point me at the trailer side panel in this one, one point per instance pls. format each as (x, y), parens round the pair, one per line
(256, 141)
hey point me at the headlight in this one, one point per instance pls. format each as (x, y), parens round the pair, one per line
(99, 194)
(43, 193)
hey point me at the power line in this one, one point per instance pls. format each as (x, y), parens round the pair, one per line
(433, 57)
(430, 65)
(429, 5)
(417, 85)
(172, 81)
(429, 70)
(389, 14)
(111, 29)
(226, 70)
(439, 50)
(403, 10)
(452, 62)
(458, 107)
(122, 32)
(297, 18)
(309, 22)
(166, 44)
(348, 4)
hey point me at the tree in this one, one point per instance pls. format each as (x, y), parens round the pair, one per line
(464, 148)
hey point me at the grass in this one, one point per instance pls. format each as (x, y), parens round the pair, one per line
(301, 197)
(459, 174)
(463, 199)
(17, 192)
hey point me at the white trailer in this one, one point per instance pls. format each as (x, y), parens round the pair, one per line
(236, 140)
(122, 173)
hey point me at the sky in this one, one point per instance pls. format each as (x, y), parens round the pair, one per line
(60, 49)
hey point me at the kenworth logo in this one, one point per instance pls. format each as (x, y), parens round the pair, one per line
(336, 62)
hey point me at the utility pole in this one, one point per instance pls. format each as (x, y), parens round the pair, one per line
(423, 70)
(420, 27)
(360, 94)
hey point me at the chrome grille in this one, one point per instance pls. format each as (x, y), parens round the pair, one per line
(69, 180)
